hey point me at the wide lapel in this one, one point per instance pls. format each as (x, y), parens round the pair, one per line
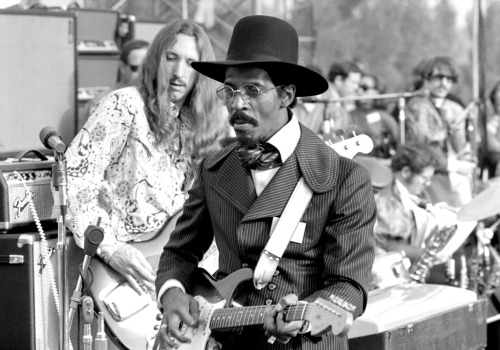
(235, 184)
(274, 197)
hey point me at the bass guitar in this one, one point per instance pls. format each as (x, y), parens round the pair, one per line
(130, 318)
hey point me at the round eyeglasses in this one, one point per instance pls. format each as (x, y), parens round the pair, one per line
(247, 91)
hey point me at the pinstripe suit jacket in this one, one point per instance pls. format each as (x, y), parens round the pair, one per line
(337, 251)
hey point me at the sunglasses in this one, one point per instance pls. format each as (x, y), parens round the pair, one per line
(133, 67)
(440, 77)
(366, 87)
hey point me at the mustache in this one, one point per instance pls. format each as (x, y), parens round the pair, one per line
(241, 117)
(176, 81)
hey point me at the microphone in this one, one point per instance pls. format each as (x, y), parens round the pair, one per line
(93, 237)
(52, 139)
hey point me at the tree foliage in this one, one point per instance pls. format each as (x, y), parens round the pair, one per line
(390, 37)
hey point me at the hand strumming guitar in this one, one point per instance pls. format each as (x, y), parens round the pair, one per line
(179, 309)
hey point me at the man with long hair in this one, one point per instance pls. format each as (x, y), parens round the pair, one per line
(132, 164)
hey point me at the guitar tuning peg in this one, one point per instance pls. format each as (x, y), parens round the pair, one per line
(342, 303)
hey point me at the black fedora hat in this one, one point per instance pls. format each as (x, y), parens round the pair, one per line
(271, 44)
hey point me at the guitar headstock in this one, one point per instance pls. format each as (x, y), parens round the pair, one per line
(329, 316)
(351, 146)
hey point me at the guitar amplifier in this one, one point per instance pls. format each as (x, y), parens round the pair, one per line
(29, 294)
(19, 180)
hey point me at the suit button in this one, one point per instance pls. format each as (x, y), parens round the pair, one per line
(269, 302)
(276, 273)
(271, 286)
(244, 265)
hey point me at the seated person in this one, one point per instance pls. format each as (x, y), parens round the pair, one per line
(404, 219)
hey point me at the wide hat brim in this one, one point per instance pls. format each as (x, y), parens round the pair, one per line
(271, 44)
(307, 82)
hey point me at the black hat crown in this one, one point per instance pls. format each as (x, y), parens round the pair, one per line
(272, 44)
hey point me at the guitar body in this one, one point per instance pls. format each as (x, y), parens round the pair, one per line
(200, 336)
(130, 318)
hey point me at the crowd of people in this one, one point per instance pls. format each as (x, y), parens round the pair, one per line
(228, 141)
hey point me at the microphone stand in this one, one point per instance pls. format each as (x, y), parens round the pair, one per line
(93, 237)
(60, 183)
(400, 96)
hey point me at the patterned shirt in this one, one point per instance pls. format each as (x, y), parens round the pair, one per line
(119, 173)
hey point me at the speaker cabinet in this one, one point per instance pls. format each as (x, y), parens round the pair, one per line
(147, 30)
(97, 71)
(29, 316)
(38, 78)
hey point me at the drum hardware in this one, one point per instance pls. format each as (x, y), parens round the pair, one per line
(390, 269)
(434, 243)
(451, 276)
(464, 279)
(487, 262)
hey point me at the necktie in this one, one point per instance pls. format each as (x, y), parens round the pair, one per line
(261, 157)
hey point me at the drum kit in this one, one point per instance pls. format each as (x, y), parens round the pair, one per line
(469, 261)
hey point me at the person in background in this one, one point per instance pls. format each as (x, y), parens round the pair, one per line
(344, 78)
(378, 124)
(238, 193)
(131, 57)
(312, 114)
(404, 216)
(133, 162)
(493, 129)
(434, 119)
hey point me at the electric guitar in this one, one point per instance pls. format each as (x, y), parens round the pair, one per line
(214, 296)
(130, 318)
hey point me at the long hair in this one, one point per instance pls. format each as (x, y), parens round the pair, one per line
(202, 100)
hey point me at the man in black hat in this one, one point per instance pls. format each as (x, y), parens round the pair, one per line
(241, 189)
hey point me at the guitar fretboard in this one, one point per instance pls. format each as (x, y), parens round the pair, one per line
(253, 315)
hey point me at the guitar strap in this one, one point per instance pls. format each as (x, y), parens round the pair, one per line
(282, 234)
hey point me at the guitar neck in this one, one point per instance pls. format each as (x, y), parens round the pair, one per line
(254, 315)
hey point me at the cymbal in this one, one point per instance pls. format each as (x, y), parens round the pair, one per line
(484, 205)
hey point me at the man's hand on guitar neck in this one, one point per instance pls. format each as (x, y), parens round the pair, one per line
(179, 310)
(132, 264)
(275, 326)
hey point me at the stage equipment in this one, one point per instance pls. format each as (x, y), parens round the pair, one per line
(434, 243)
(29, 296)
(401, 97)
(22, 179)
(147, 30)
(420, 316)
(93, 237)
(38, 78)
(96, 31)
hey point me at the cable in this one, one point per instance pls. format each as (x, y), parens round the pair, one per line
(45, 255)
